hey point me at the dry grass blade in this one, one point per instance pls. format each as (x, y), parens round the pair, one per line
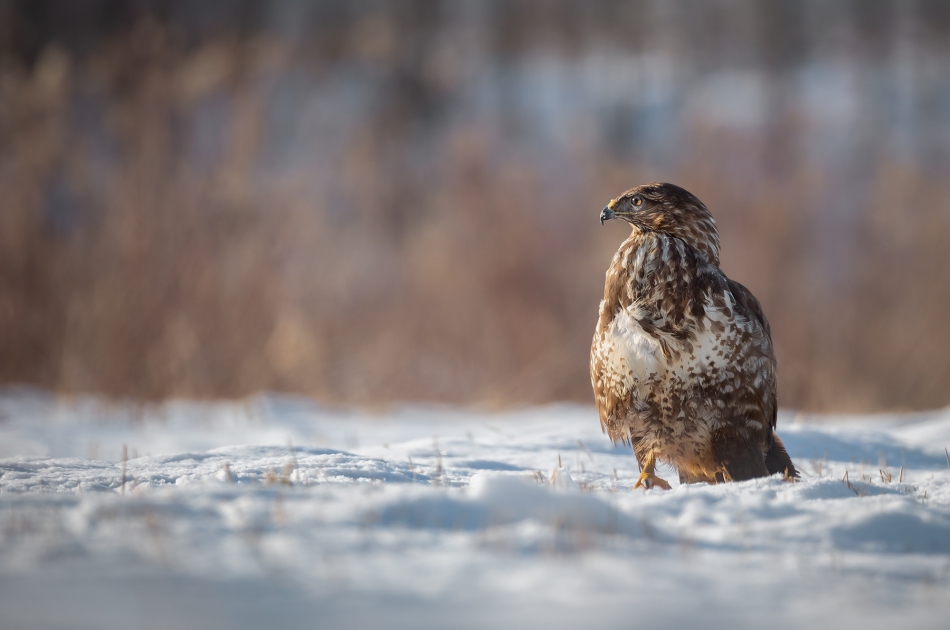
(286, 473)
(293, 460)
(586, 450)
(440, 476)
(125, 459)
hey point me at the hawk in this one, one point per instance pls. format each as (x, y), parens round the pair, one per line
(682, 363)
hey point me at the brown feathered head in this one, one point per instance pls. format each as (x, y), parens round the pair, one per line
(669, 210)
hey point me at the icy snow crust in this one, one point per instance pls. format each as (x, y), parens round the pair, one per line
(275, 510)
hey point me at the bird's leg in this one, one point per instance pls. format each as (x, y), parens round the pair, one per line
(647, 478)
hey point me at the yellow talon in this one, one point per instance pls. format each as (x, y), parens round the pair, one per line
(648, 481)
(647, 478)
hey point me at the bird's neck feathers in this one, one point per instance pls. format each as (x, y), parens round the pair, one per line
(699, 234)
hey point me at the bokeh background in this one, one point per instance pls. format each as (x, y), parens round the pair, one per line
(387, 201)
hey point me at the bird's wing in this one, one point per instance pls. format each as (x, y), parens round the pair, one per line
(748, 306)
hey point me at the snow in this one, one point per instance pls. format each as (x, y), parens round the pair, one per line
(275, 510)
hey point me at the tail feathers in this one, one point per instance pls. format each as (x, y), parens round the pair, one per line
(778, 461)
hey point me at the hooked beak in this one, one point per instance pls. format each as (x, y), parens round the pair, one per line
(606, 215)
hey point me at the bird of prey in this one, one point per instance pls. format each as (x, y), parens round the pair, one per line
(682, 363)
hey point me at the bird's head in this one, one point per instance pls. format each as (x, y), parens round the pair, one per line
(669, 210)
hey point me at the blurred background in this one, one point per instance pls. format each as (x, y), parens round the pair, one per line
(386, 201)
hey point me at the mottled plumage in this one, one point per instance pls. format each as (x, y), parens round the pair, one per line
(682, 362)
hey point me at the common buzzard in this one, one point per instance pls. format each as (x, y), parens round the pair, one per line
(682, 363)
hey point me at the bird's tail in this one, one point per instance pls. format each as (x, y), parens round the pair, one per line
(777, 459)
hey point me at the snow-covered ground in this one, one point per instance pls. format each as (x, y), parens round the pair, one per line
(276, 511)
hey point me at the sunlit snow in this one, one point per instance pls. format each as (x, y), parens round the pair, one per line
(277, 511)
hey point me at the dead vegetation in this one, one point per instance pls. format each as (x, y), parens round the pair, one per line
(203, 213)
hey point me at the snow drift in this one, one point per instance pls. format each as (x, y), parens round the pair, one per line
(275, 510)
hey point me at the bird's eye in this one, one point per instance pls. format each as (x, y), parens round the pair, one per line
(637, 201)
